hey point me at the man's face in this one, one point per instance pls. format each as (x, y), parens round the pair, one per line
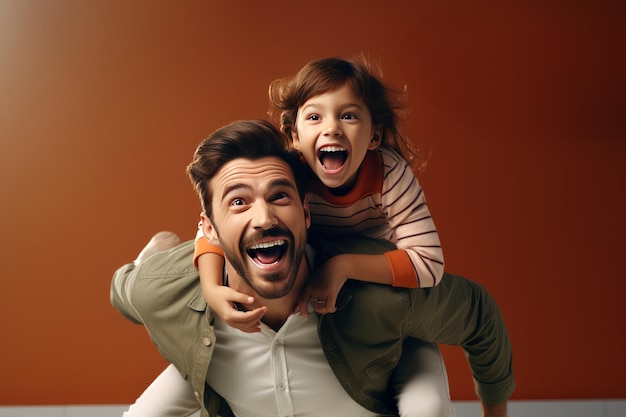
(260, 223)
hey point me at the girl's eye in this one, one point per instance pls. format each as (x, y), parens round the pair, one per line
(349, 116)
(313, 117)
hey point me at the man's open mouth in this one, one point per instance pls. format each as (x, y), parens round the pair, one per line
(267, 253)
(332, 157)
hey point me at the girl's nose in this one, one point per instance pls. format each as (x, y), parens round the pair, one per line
(332, 128)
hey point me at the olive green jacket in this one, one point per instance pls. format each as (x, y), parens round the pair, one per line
(362, 341)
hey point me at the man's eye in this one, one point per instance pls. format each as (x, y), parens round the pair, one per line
(237, 202)
(280, 196)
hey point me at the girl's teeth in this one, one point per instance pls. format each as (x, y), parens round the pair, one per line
(332, 149)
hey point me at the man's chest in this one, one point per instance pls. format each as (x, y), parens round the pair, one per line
(282, 373)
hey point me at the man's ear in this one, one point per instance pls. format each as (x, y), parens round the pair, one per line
(377, 138)
(307, 213)
(209, 231)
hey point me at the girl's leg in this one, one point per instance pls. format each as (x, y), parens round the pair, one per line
(169, 395)
(420, 382)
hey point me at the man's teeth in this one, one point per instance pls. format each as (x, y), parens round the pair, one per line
(331, 148)
(266, 245)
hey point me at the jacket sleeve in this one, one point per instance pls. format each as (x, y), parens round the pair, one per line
(159, 285)
(121, 291)
(461, 312)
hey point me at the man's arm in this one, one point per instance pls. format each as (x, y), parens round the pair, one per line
(161, 290)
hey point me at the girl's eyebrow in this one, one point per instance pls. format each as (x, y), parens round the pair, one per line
(342, 107)
(310, 105)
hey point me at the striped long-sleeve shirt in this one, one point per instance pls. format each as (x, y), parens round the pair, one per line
(386, 202)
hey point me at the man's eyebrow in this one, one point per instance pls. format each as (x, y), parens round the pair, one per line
(234, 187)
(284, 182)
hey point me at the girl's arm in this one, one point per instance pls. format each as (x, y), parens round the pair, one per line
(326, 281)
(223, 300)
(418, 262)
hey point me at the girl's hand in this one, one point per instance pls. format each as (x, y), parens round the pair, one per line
(323, 287)
(229, 305)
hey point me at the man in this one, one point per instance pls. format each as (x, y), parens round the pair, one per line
(336, 364)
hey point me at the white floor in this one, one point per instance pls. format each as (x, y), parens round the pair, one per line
(547, 408)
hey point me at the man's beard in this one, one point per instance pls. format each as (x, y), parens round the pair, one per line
(240, 260)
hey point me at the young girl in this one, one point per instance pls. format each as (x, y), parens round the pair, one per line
(345, 123)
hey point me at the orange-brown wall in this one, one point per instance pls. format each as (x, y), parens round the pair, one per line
(103, 102)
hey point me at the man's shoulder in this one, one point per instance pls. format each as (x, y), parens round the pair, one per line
(167, 280)
(328, 247)
(174, 262)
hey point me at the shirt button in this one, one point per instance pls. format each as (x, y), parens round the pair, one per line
(197, 394)
(206, 341)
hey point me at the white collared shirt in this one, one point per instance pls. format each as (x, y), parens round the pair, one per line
(278, 374)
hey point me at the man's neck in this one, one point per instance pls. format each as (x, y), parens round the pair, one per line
(278, 309)
(276, 317)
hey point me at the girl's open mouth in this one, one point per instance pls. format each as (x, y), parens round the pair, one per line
(332, 157)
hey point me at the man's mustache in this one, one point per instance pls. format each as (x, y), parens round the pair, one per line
(263, 234)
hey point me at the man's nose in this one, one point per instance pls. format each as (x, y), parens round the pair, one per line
(263, 216)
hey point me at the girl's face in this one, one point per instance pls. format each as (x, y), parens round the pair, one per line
(333, 132)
